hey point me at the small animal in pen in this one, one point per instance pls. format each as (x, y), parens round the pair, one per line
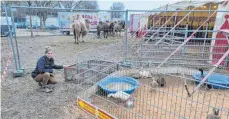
(122, 97)
(144, 73)
(153, 85)
(214, 115)
(206, 83)
(160, 82)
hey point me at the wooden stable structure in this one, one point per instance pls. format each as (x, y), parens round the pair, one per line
(193, 20)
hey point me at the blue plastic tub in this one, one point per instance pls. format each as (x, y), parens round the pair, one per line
(218, 81)
(110, 79)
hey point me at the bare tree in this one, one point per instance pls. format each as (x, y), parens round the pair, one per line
(8, 3)
(81, 4)
(20, 12)
(30, 18)
(43, 13)
(117, 6)
(87, 5)
(66, 4)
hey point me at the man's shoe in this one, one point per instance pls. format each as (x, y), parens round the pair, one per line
(39, 83)
(47, 90)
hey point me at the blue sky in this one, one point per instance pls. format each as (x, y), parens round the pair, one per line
(136, 4)
(139, 4)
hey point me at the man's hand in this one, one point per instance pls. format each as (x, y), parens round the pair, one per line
(66, 66)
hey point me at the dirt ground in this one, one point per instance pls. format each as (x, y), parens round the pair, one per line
(170, 102)
(21, 97)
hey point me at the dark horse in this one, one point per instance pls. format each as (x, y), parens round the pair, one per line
(105, 27)
(99, 28)
(111, 28)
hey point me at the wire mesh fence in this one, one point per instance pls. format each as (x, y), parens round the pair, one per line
(53, 27)
(152, 100)
(165, 54)
(161, 49)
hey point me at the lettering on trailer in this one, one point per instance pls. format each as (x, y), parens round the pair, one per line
(65, 19)
(87, 16)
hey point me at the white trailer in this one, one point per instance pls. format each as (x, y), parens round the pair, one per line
(138, 22)
(65, 20)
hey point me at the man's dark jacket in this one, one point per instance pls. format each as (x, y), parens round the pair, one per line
(44, 64)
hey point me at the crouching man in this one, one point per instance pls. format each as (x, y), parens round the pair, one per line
(44, 69)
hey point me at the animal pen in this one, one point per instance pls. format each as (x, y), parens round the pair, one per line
(171, 51)
(170, 48)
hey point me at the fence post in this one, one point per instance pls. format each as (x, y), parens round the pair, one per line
(10, 31)
(13, 26)
(30, 20)
(226, 61)
(18, 72)
(126, 33)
